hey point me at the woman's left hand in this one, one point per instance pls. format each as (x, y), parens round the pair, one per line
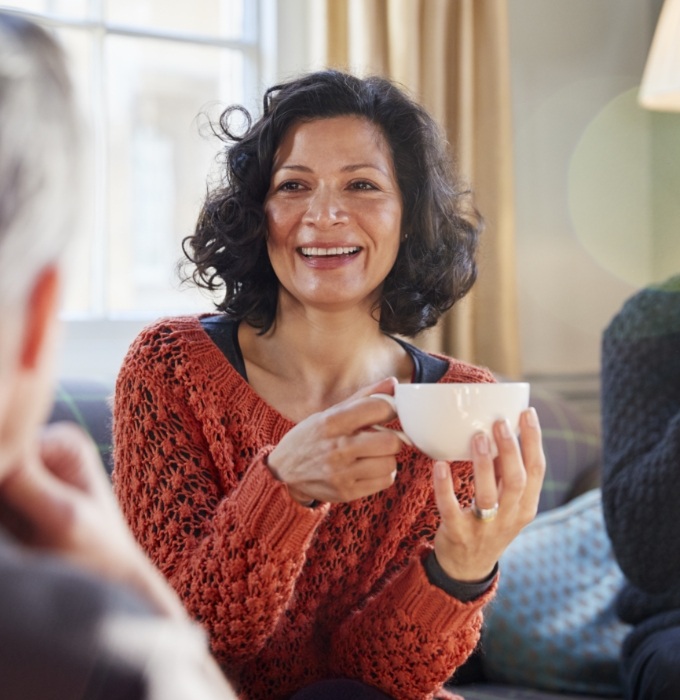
(466, 546)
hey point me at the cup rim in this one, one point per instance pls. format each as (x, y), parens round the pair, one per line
(461, 385)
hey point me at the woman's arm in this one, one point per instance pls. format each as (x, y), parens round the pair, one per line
(425, 631)
(232, 548)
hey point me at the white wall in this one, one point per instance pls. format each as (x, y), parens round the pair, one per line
(588, 174)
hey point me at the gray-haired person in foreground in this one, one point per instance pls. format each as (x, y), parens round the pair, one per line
(83, 613)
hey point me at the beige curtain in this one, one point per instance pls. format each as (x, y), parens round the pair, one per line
(453, 56)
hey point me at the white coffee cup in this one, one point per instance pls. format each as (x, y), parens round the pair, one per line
(441, 419)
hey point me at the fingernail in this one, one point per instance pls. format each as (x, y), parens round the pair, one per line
(532, 417)
(506, 431)
(482, 443)
(441, 470)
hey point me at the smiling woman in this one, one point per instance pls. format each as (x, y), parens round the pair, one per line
(434, 267)
(323, 557)
(333, 214)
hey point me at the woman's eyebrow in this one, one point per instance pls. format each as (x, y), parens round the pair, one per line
(361, 166)
(346, 168)
(292, 166)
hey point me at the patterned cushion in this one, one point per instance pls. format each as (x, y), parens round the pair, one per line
(572, 449)
(553, 623)
(87, 403)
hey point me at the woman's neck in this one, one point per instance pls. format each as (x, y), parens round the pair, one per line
(312, 360)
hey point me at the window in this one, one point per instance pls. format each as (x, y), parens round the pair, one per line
(148, 75)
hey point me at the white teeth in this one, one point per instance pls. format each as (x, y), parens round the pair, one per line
(321, 252)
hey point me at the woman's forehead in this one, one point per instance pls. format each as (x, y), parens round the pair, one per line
(353, 138)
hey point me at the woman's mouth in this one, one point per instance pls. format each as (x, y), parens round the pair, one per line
(313, 252)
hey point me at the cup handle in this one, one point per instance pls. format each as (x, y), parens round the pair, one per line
(399, 433)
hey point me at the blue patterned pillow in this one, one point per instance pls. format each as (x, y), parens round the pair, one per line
(553, 624)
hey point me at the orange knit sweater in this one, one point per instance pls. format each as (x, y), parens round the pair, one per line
(289, 595)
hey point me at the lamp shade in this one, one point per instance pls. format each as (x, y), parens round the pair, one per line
(660, 87)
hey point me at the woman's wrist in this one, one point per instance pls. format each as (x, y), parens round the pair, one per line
(464, 591)
(301, 498)
(474, 572)
(298, 496)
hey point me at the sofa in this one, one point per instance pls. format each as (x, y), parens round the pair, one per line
(572, 447)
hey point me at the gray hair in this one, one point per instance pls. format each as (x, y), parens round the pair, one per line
(39, 155)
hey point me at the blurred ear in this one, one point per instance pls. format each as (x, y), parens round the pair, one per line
(41, 312)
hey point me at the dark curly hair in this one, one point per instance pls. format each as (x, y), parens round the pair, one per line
(435, 265)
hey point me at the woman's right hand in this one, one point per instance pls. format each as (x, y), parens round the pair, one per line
(330, 456)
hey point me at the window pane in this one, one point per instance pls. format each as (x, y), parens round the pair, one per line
(159, 162)
(83, 268)
(223, 18)
(66, 8)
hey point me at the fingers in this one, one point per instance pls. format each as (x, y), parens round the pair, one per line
(362, 478)
(534, 459)
(519, 471)
(330, 456)
(47, 491)
(325, 468)
(362, 464)
(486, 487)
(68, 452)
(462, 543)
(510, 466)
(466, 545)
(350, 417)
(371, 444)
(40, 501)
(361, 411)
(444, 495)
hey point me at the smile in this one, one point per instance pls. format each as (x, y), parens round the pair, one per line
(327, 252)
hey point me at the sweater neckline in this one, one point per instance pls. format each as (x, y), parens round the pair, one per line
(239, 389)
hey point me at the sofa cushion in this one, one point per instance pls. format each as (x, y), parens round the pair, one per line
(494, 691)
(88, 403)
(572, 449)
(553, 624)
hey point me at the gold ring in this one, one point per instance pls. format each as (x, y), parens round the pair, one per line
(486, 515)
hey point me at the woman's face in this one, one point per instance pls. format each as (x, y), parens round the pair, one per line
(333, 213)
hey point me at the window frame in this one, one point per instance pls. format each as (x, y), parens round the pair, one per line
(259, 38)
(93, 345)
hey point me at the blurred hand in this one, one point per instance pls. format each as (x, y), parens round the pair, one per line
(60, 500)
(330, 456)
(466, 547)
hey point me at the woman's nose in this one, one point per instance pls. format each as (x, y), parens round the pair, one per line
(325, 208)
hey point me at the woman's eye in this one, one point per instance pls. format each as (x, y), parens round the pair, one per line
(289, 186)
(363, 185)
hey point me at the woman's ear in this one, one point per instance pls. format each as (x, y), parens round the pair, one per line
(40, 316)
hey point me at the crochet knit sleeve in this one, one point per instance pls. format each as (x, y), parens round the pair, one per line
(641, 434)
(231, 558)
(410, 636)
